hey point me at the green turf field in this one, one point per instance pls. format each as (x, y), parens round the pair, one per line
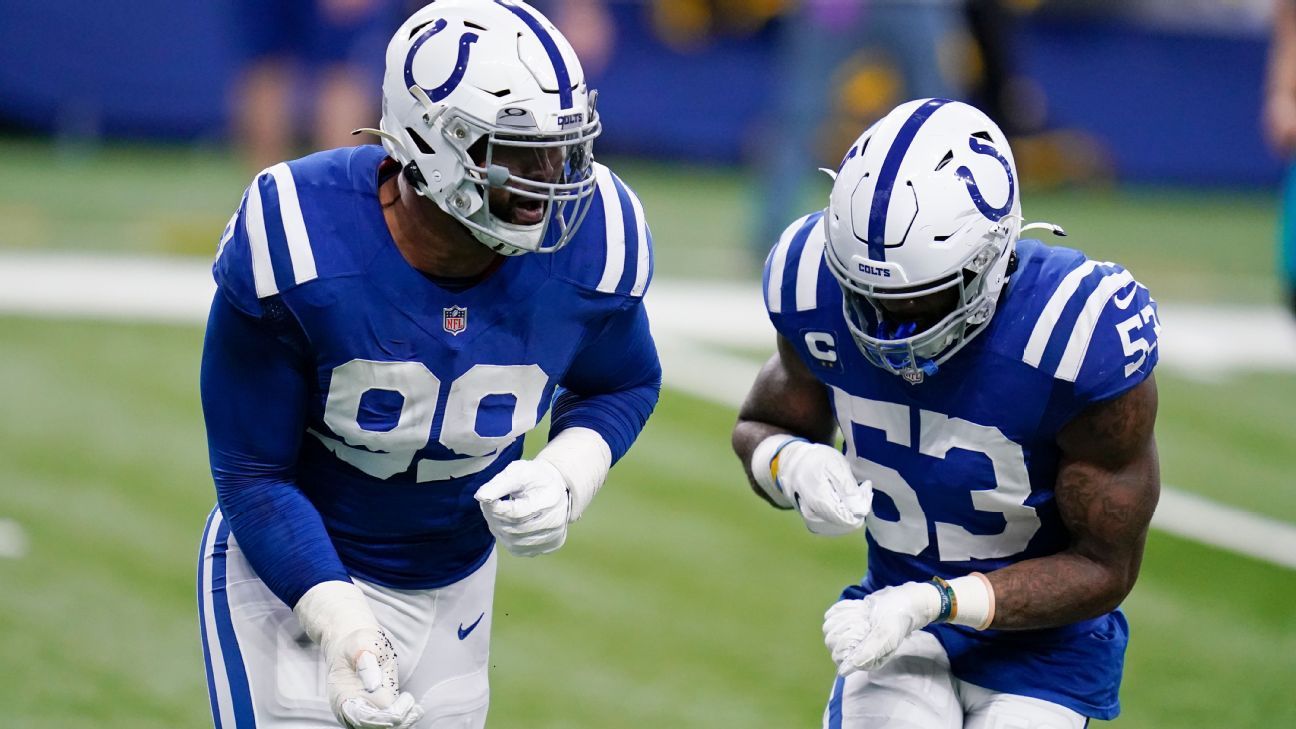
(680, 600)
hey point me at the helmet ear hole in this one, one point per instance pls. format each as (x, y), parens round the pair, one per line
(420, 142)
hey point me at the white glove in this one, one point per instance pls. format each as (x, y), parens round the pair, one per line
(863, 634)
(814, 479)
(529, 504)
(526, 507)
(363, 687)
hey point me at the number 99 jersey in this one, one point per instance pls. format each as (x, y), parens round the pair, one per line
(405, 394)
(964, 463)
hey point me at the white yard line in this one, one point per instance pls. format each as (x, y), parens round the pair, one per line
(1210, 522)
(693, 321)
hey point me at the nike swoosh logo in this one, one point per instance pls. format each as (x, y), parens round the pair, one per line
(463, 632)
(1123, 302)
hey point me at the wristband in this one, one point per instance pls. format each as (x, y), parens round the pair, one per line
(583, 459)
(967, 601)
(332, 610)
(764, 465)
(948, 602)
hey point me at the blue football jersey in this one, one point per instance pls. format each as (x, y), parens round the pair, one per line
(964, 463)
(413, 392)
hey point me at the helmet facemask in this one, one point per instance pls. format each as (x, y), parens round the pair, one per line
(916, 349)
(497, 168)
(494, 158)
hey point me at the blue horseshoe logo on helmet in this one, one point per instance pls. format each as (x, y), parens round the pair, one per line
(461, 63)
(993, 213)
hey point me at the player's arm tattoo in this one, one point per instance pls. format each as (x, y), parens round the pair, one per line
(1107, 488)
(786, 398)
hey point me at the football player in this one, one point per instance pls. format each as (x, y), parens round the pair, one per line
(996, 403)
(390, 322)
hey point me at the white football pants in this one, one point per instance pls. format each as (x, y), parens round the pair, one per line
(915, 690)
(262, 670)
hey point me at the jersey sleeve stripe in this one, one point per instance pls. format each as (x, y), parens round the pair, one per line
(792, 263)
(1048, 319)
(614, 264)
(299, 247)
(262, 268)
(778, 261)
(807, 281)
(228, 232)
(1078, 344)
(631, 227)
(643, 265)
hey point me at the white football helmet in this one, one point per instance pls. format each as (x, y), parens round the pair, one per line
(927, 200)
(466, 79)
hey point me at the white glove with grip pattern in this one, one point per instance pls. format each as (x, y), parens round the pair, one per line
(814, 479)
(363, 685)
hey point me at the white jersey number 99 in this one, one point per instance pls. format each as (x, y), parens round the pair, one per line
(385, 453)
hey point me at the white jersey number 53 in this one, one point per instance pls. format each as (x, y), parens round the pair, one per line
(937, 435)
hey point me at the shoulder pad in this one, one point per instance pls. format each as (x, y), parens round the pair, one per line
(1097, 328)
(794, 271)
(267, 247)
(612, 251)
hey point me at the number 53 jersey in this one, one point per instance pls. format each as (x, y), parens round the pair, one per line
(343, 388)
(964, 463)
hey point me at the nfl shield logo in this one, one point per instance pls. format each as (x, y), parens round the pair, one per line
(454, 319)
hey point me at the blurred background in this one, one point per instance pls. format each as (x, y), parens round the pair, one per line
(1157, 132)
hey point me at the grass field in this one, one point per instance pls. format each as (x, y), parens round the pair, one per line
(680, 601)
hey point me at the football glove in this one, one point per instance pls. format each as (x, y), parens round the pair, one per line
(363, 686)
(529, 504)
(863, 635)
(814, 479)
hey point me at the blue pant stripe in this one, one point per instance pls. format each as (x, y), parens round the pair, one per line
(202, 621)
(240, 692)
(835, 704)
